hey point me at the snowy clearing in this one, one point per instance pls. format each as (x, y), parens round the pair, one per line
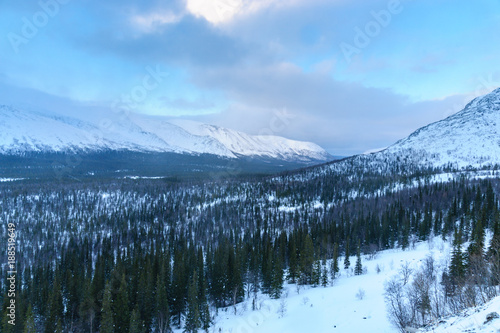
(338, 307)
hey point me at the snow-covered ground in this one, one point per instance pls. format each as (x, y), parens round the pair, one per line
(337, 308)
(472, 320)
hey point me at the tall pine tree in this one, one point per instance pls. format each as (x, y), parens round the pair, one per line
(358, 269)
(193, 315)
(107, 324)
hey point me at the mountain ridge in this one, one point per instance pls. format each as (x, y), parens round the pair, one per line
(467, 139)
(37, 131)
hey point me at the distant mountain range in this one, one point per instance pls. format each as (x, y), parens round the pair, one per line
(133, 143)
(117, 142)
(24, 131)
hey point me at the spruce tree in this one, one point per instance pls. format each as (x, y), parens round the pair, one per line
(162, 310)
(358, 269)
(179, 280)
(292, 259)
(136, 325)
(334, 269)
(88, 309)
(121, 309)
(193, 315)
(29, 324)
(206, 320)
(107, 324)
(457, 265)
(494, 250)
(306, 260)
(55, 309)
(316, 273)
(324, 276)
(276, 277)
(347, 262)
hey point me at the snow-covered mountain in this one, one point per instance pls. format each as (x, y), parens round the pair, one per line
(44, 131)
(470, 137)
(460, 145)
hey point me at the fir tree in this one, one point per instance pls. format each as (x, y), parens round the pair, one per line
(334, 269)
(29, 324)
(316, 273)
(193, 315)
(307, 260)
(292, 260)
(179, 279)
(494, 250)
(206, 320)
(55, 309)
(324, 277)
(277, 278)
(88, 309)
(107, 324)
(358, 269)
(121, 309)
(457, 266)
(136, 325)
(347, 262)
(162, 310)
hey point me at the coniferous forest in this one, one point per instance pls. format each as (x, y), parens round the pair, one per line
(153, 255)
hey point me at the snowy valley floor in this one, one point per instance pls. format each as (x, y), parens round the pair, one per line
(336, 308)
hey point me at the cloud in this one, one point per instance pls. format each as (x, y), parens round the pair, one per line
(188, 105)
(149, 23)
(343, 117)
(188, 42)
(223, 11)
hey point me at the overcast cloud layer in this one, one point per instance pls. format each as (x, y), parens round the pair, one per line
(349, 75)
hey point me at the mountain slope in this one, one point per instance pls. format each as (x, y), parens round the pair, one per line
(256, 145)
(24, 131)
(470, 137)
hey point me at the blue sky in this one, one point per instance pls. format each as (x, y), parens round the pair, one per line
(349, 75)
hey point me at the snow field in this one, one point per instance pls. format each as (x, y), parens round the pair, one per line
(335, 308)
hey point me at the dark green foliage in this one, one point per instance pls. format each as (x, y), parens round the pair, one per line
(88, 310)
(130, 257)
(334, 269)
(324, 277)
(121, 308)
(29, 324)
(277, 277)
(55, 308)
(347, 261)
(456, 270)
(307, 261)
(107, 323)
(358, 269)
(136, 325)
(162, 310)
(193, 314)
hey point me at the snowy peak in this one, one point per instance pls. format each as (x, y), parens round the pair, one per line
(43, 131)
(469, 138)
(257, 145)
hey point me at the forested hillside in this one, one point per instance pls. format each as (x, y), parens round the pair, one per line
(151, 255)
